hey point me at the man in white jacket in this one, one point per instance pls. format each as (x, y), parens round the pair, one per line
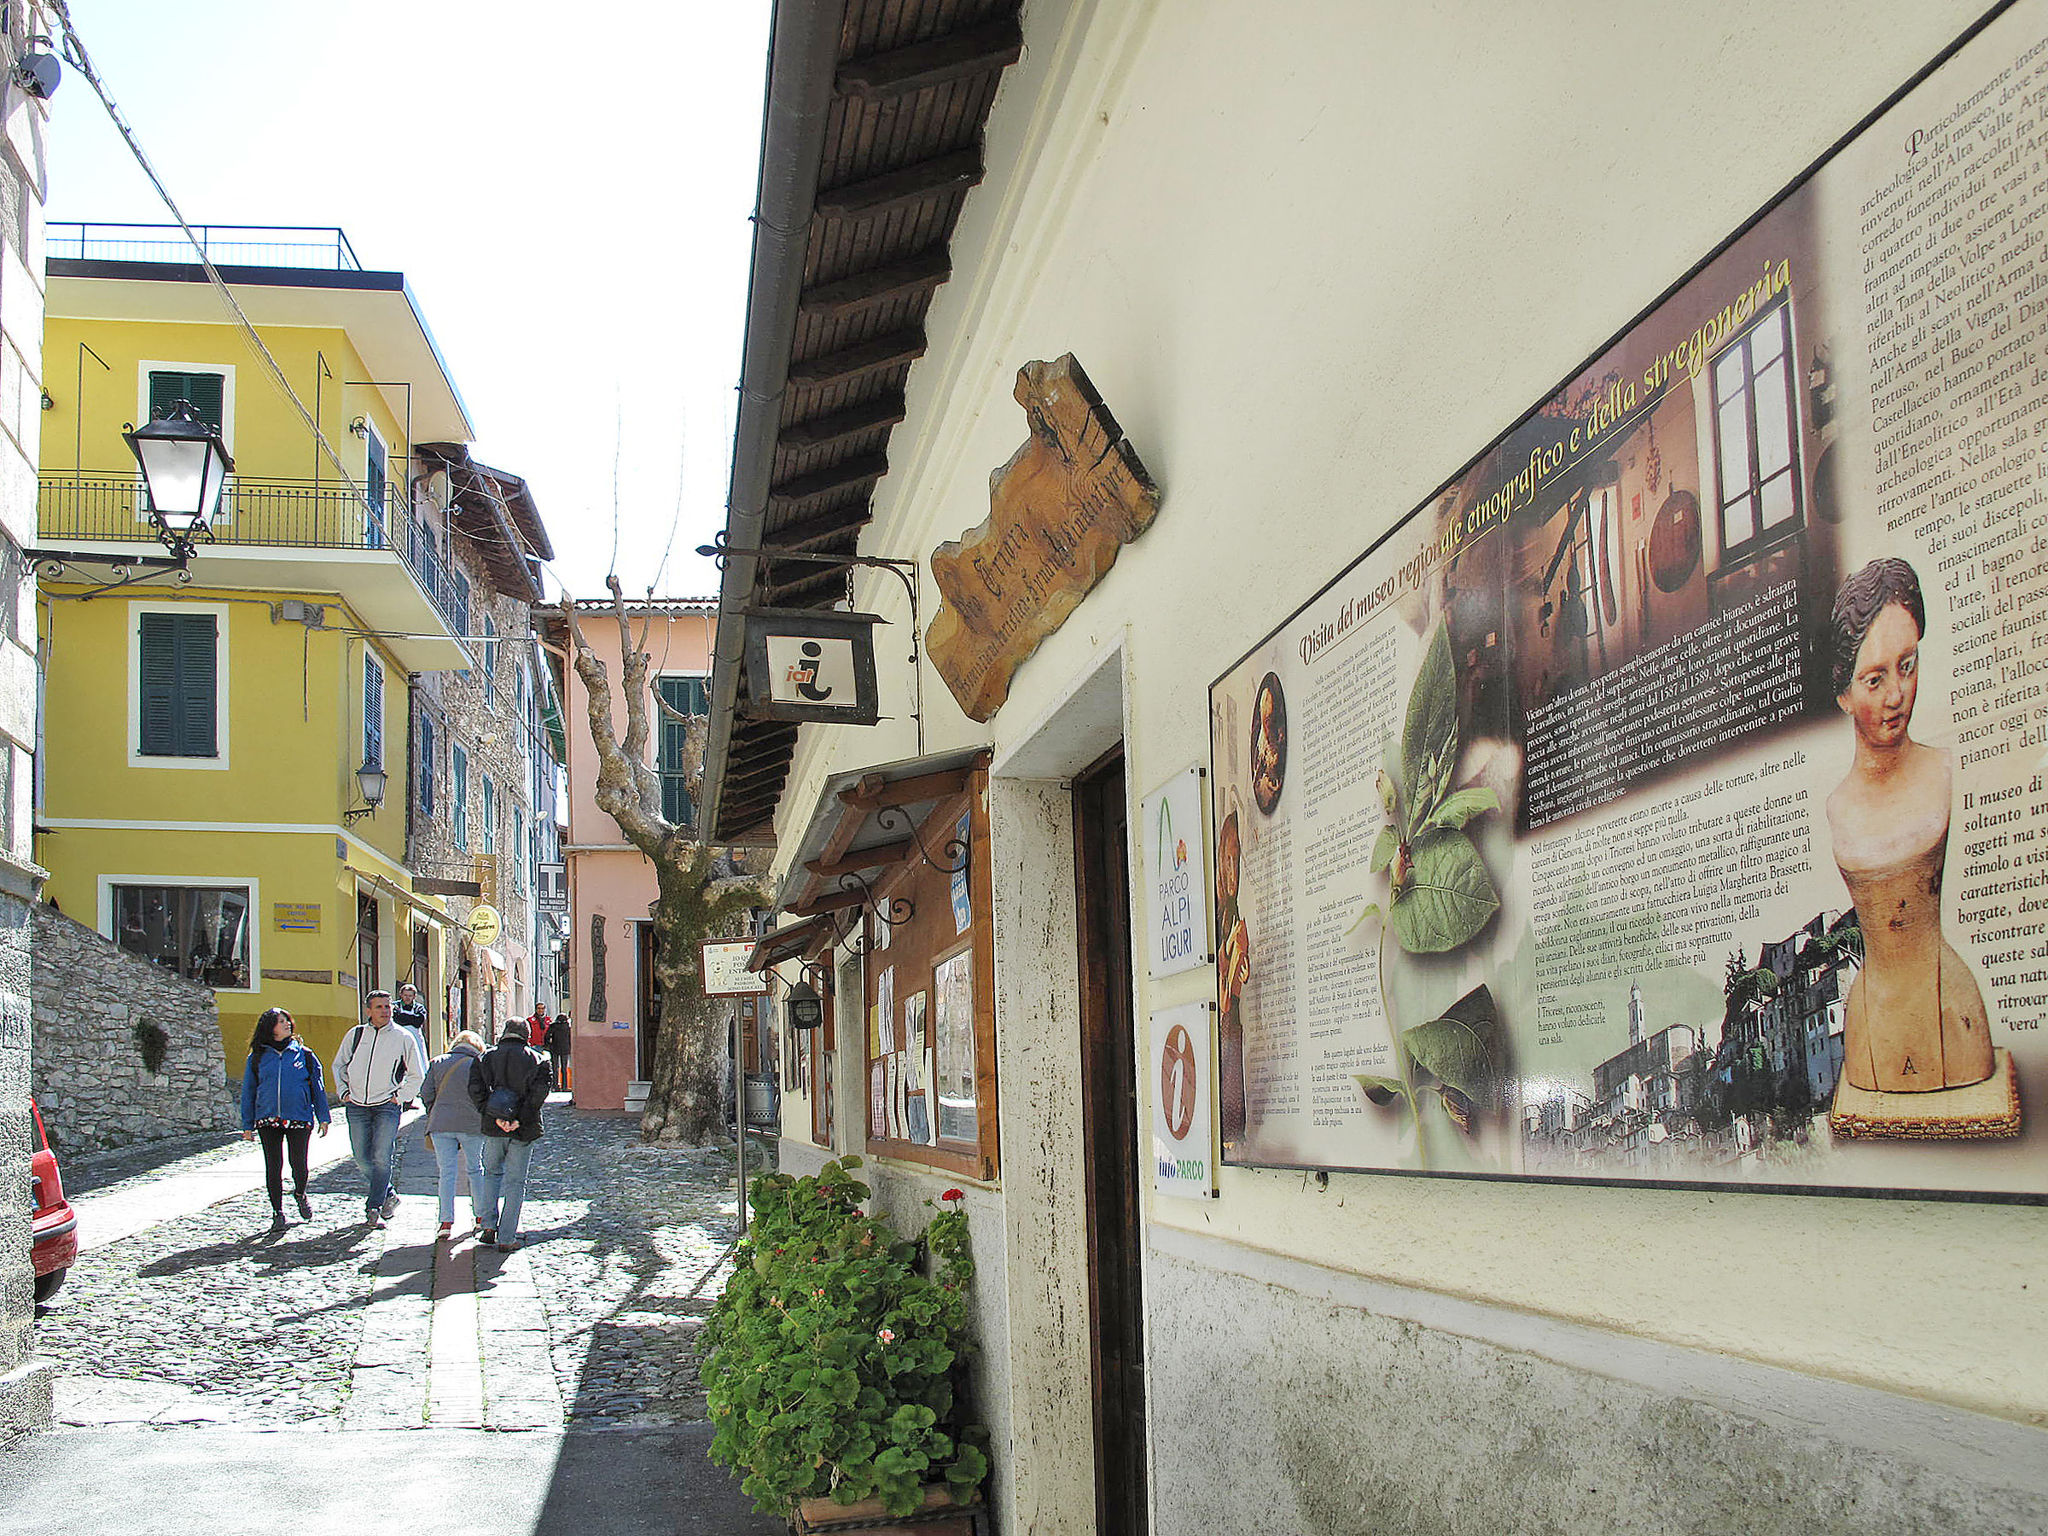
(378, 1069)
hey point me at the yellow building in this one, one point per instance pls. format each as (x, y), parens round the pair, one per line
(201, 800)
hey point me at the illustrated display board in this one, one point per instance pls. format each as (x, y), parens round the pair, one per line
(1176, 875)
(725, 969)
(1666, 799)
(1183, 1061)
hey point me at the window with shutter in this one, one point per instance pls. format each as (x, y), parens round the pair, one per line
(177, 655)
(373, 711)
(426, 765)
(687, 696)
(490, 815)
(206, 392)
(458, 773)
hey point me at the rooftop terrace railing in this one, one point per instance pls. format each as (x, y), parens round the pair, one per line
(321, 248)
(257, 513)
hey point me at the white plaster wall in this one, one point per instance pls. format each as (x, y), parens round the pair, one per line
(1315, 255)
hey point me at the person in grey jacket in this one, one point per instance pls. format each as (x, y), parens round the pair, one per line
(377, 1070)
(454, 1128)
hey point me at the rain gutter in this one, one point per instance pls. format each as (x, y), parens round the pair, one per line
(803, 57)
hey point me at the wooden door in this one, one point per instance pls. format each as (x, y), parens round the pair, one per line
(1109, 1075)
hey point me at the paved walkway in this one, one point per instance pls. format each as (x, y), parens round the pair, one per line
(187, 1313)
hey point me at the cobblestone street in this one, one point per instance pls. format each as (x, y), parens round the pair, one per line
(212, 1319)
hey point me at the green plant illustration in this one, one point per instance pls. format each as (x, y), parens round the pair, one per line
(833, 1357)
(1439, 894)
(1439, 897)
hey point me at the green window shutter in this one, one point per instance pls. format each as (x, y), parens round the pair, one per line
(458, 772)
(689, 696)
(179, 662)
(159, 666)
(426, 753)
(373, 711)
(206, 391)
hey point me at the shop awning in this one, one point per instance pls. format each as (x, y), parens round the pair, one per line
(400, 894)
(868, 820)
(800, 939)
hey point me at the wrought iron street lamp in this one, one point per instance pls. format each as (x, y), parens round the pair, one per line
(370, 782)
(184, 467)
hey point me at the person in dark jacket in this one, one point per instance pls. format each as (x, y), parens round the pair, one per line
(454, 1129)
(283, 1097)
(508, 1087)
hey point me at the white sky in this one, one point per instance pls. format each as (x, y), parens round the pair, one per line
(567, 194)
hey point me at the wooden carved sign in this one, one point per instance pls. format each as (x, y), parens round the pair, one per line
(1059, 511)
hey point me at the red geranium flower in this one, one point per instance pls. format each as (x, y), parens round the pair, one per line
(951, 1195)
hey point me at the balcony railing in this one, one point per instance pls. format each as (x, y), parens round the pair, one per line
(257, 513)
(244, 245)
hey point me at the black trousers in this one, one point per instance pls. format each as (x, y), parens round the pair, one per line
(275, 1138)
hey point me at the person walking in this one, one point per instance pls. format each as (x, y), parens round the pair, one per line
(283, 1097)
(508, 1087)
(410, 1009)
(379, 1067)
(454, 1128)
(559, 1034)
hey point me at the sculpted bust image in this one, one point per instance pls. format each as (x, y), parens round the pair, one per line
(1916, 1021)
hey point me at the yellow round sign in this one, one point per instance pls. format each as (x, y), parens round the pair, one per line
(485, 925)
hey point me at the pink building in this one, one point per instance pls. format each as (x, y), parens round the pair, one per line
(610, 991)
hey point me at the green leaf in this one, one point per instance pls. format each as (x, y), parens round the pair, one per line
(1382, 1090)
(1463, 806)
(1383, 850)
(1429, 737)
(1449, 897)
(1372, 909)
(1459, 1048)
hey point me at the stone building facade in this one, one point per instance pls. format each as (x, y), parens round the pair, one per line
(24, 1383)
(127, 1051)
(480, 781)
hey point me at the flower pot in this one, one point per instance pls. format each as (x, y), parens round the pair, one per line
(937, 1516)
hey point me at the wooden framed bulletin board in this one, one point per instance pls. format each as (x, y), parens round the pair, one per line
(929, 997)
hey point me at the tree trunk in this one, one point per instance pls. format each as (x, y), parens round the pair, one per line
(685, 1097)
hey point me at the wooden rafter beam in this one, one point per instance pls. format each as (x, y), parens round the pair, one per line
(823, 431)
(951, 56)
(822, 529)
(861, 470)
(828, 901)
(953, 171)
(878, 285)
(863, 357)
(866, 858)
(874, 792)
(829, 580)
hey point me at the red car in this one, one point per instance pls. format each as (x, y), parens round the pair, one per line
(54, 1225)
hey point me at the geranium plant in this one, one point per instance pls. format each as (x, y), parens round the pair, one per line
(835, 1353)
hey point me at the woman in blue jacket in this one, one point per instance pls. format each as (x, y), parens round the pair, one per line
(282, 1097)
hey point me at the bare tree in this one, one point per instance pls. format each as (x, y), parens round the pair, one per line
(704, 891)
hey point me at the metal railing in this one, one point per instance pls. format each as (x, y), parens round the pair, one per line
(256, 512)
(322, 248)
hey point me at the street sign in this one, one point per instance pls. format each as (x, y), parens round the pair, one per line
(725, 969)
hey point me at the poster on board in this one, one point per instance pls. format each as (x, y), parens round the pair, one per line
(1666, 799)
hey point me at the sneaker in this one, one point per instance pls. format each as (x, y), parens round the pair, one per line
(375, 1219)
(447, 1231)
(488, 1237)
(305, 1207)
(277, 1218)
(512, 1247)
(390, 1207)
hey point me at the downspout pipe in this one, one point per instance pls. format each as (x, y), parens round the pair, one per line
(803, 57)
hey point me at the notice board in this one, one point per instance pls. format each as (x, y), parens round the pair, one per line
(1665, 799)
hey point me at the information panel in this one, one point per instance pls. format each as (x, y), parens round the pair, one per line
(1666, 799)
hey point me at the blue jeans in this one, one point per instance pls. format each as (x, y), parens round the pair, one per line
(372, 1131)
(504, 1184)
(452, 1150)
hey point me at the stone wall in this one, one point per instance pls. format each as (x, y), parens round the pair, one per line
(24, 1379)
(97, 1008)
